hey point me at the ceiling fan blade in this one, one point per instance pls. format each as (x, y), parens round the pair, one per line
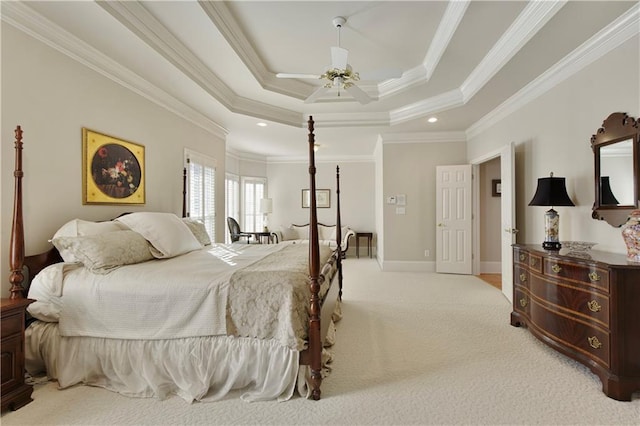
(339, 57)
(381, 74)
(316, 95)
(287, 75)
(359, 94)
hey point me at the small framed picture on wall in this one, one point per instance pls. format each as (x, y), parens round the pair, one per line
(496, 188)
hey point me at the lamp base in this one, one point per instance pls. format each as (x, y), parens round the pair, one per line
(551, 245)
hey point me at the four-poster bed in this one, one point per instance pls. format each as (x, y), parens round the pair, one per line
(61, 339)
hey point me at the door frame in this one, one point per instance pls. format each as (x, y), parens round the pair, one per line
(504, 155)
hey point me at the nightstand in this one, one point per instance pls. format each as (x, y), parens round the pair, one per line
(15, 392)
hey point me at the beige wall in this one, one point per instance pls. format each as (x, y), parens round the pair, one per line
(287, 180)
(52, 97)
(553, 132)
(410, 169)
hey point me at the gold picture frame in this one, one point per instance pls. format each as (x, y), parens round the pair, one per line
(323, 198)
(112, 170)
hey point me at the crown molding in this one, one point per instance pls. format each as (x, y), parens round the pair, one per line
(423, 137)
(22, 17)
(225, 22)
(607, 39)
(135, 17)
(321, 159)
(432, 105)
(448, 25)
(534, 16)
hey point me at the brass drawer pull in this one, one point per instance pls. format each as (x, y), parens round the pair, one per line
(524, 302)
(594, 306)
(534, 261)
(593, 276)
(523, 277)
(522, 257)
(594, 342)
(556, 268)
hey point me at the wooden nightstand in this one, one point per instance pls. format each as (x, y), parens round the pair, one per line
(15, 392)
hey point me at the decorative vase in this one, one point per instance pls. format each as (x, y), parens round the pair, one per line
(631, 236)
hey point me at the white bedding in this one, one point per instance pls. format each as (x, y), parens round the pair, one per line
(184, 296)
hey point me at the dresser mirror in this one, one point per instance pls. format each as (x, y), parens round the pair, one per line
(617, 179)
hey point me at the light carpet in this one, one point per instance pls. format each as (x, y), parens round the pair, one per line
(412, 348)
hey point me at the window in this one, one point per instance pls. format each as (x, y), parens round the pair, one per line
(253, 190)
(232, 195)
(201, 187)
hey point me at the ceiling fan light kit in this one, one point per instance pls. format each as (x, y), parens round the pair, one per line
(339, 75)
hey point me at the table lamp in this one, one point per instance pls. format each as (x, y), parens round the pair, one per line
(266, 207)
(606, 194)
(551, 192)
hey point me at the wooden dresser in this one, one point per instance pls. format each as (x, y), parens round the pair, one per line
(15, 392)
(586, 306)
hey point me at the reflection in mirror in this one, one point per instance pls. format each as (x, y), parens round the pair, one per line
(616, 174)
(616, 150)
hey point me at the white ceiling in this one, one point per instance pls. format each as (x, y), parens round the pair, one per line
(215, 62)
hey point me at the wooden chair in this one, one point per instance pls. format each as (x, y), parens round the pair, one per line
(235, 232)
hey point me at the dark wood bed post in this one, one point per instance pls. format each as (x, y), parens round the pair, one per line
(184, 192)
(339, 233)
(315, 341)
(16, 244)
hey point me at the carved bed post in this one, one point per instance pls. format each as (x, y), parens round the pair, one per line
(16, 244)
(315, 341)
(339, 233)
(184, 192)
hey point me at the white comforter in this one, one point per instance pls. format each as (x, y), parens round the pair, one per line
(206, 292)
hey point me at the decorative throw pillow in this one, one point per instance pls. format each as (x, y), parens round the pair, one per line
(79, 227)
(199, 230)
(288, 234)
(102, 253)
(167, 233)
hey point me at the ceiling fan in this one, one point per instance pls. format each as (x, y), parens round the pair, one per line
(340, 74)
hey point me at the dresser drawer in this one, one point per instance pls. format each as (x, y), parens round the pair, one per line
(588, 340)
(521, 300)
(573, 300)
(589, 275)
(520, 276)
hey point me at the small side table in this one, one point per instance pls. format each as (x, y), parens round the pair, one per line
(15, 392)
(369, 237)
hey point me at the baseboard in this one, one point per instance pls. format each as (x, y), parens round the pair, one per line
(490, 267)
(408, 266)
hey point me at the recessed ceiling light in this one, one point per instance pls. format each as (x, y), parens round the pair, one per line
(432, 119)
(261, 124)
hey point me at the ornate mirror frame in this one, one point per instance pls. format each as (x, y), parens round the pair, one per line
(616, 129)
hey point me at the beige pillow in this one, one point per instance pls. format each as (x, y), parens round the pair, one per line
(79, 227)
(167, 233)
(102, 253)
(288, 234)
(198, 230)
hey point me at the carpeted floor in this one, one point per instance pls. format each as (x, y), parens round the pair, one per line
(413, 348)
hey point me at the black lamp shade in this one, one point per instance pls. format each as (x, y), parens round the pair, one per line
(551, 191)
(606, 195)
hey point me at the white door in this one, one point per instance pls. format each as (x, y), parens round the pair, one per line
(453, 219)
(508, 213)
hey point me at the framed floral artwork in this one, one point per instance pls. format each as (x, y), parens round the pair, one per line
(112, 170)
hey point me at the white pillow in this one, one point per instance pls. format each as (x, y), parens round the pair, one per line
(79, 227)
(288, 234)
(101, 253)
(302, 232)
(199, 230)
(166, 232)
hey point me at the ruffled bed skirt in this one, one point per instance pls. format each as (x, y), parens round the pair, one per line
(196, 369)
